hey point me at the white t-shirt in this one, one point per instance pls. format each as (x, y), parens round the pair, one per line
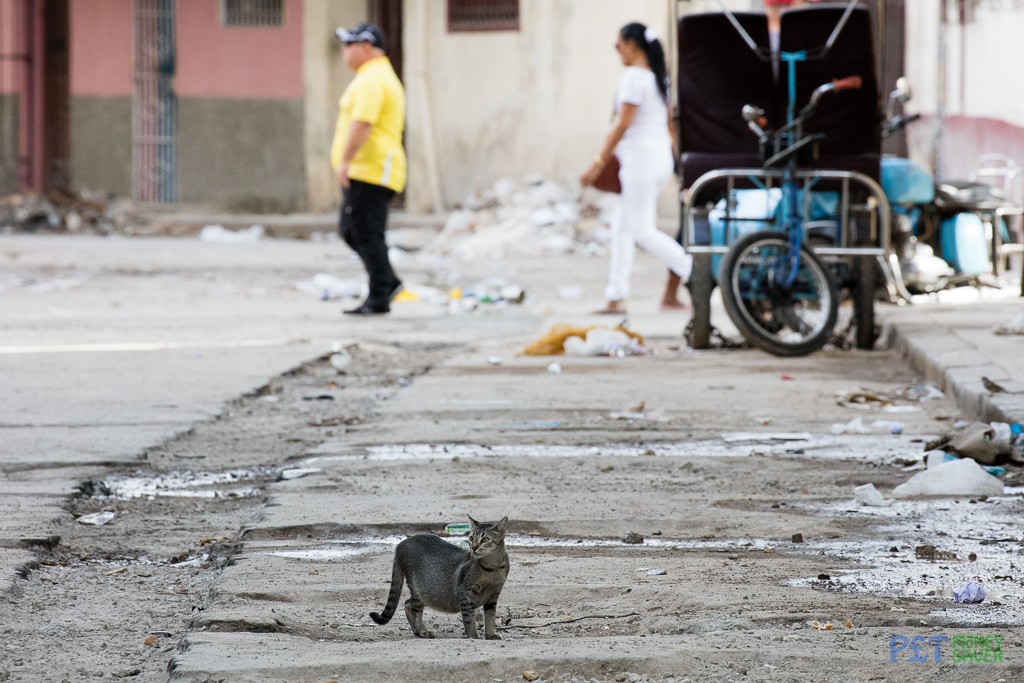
(638, 87)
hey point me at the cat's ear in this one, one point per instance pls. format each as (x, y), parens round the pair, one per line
(502, 525)
(473, 521)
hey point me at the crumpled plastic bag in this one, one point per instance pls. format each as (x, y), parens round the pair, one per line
(870, 496)
(603, 342)
(971, 592)
(984, 442)
(963, 478)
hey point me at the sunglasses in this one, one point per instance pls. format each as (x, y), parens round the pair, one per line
(351, 38)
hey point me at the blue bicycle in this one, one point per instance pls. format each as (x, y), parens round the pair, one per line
(780, 295)
(792, 223)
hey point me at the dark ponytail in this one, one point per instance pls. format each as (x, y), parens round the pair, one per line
(637, 33)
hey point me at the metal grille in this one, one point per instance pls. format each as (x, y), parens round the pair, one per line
(483, 15)
(252, 12)
(154, 105)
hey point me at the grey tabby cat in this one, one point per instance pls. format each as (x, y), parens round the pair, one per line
(449, 578)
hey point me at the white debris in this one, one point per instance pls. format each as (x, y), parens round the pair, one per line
(1014, 326)
(923, 393)
(297, 472)
(971, 592)
(331, 287)
(854, 426)
(870, 496)
(341, 360)
(901, 409)
(603, 342)
(218, 233)
(555, 369)
(936, 458)
(959, 478)
(531, 218)
(97, 518)
(764, 437)
(197, 561)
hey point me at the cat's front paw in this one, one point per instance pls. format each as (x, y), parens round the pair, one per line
(426, 634)
(493, 636)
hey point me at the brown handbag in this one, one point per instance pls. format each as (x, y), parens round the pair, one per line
(608, 179)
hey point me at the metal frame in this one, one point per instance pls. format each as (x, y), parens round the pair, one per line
(766, 179)
(877, 204)
(1002, 168)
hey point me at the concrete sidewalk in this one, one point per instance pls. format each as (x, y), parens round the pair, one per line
(954, 346)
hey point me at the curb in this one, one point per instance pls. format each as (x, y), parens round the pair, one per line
(955, 366)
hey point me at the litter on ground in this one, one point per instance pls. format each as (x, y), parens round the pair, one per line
(553, 342)
(960, 478)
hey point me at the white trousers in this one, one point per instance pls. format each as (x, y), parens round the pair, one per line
(636, 223)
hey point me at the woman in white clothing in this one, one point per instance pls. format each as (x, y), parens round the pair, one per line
(641, 138)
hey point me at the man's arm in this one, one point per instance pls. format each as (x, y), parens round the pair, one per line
(358, 134)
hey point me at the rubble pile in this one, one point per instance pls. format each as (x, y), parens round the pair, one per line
(527, 219)
(62, 212)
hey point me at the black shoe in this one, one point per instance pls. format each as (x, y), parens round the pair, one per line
(369, 309)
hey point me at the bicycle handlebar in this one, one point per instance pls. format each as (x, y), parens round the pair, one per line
(848, 83)
(898, 123)
(837, 85)
(784, 135)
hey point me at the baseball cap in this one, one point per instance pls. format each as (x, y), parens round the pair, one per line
(363, 33)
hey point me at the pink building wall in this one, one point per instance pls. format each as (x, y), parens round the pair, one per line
(968, 137)
(11, 12)
(237, 62)
(101, 47)
(212, 60)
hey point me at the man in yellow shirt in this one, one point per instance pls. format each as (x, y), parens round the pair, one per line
(368, 158)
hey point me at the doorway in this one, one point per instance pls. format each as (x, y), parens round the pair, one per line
(35, 127)
(388, 15)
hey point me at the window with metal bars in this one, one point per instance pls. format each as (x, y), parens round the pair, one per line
(483, 15)
(252, 12)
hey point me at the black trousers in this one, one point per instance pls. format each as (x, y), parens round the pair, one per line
(364, 218)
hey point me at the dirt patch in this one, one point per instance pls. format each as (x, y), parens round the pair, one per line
(254, 545)
(114, 600)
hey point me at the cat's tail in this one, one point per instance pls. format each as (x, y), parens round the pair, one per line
(397, 581)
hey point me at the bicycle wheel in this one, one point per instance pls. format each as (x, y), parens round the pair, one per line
(783, 320)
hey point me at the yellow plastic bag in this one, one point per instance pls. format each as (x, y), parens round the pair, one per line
(552, 343)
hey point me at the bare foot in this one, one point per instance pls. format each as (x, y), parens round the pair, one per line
(675, 305)
(612, 308)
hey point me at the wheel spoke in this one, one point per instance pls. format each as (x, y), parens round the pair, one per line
(781, 312)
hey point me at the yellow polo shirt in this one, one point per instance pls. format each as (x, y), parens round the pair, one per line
(374, 96)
